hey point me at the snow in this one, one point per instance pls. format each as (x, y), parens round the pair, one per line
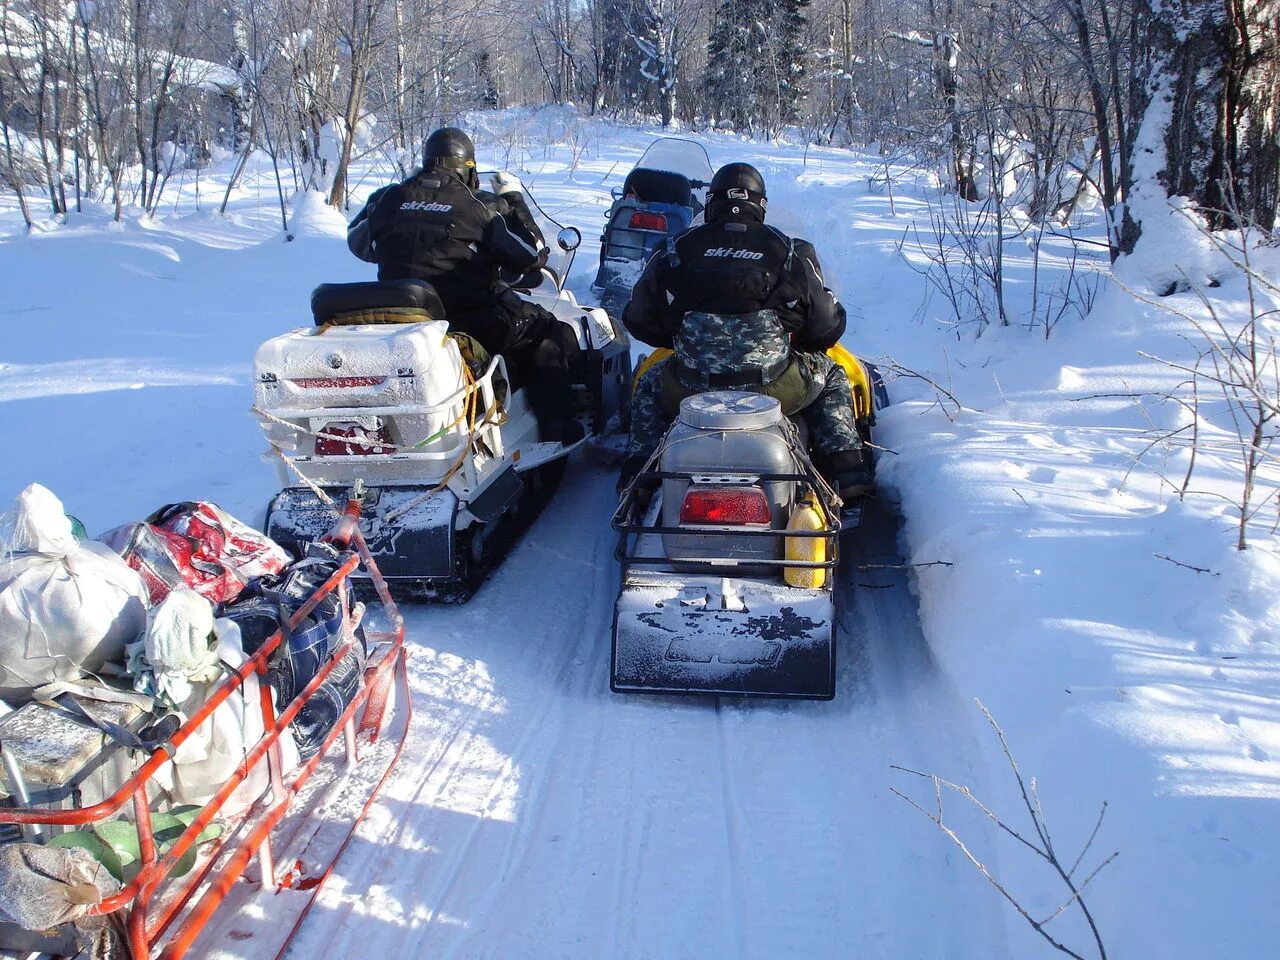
(311, 217)
(1127, 650)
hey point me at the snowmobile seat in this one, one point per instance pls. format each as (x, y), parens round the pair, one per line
(390, 301)
(658, 186)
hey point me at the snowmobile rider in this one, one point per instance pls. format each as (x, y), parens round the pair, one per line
(439, 226)
(743, 307)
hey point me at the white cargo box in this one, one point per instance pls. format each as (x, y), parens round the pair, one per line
(375, 365)
(398, 391)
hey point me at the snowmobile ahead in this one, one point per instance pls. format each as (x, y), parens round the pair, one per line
(661, 197)
(380, 391)
(729, 568)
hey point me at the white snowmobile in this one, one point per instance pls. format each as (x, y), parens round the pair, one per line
(729, 542)
(379, 391)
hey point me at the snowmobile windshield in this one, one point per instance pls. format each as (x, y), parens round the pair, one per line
(558, 259)
(674, 155)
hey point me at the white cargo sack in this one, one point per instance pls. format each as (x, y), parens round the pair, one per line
(179, 646)
(66, 606)
(188, 655)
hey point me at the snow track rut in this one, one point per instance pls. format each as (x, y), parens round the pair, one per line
(537, 815)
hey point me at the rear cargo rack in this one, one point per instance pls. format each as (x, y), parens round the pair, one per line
(166, 915)
(630, 530)
(310, 420)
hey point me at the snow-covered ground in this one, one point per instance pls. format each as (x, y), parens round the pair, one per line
(537, 815)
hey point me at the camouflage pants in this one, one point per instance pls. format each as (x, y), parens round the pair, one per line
(827, 407)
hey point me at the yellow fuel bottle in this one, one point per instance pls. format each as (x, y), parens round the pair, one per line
(807, 515)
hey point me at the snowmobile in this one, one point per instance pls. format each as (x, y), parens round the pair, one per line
(729, 544)
(379, 391)
(662, 196)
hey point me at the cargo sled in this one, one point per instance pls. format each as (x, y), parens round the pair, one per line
(246, 892)
(729, 544)
(662, 196)
(379, 391)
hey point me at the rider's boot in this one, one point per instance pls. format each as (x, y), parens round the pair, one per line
(850, 473)
(551, 397)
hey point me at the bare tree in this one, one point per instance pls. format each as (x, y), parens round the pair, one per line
(1233, 381)
(1039, 842)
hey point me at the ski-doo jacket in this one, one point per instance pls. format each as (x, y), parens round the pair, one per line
(433, 227)
(733, 268)
(734, 299)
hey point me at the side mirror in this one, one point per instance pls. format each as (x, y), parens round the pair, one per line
(569, 238)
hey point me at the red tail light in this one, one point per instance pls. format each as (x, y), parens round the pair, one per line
(725, 505)
(362, 443)
(330, 383)
(642, 220)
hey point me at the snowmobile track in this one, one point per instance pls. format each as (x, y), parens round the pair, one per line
(733, 831)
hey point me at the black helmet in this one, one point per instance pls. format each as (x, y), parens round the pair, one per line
(736, 190)
(452, 149)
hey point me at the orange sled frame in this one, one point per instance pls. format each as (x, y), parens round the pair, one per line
(286, 830)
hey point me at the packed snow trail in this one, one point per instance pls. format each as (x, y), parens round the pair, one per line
(536, 814)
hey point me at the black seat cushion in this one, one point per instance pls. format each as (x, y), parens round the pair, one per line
(658, 186)
(330, 299)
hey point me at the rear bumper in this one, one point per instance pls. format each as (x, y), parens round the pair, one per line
(418, 545)
(678, 633)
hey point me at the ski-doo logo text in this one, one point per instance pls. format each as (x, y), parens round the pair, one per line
(734, 254)
(426, 207)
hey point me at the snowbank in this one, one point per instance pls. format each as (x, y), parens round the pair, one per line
(1111, 627)
(311, 217)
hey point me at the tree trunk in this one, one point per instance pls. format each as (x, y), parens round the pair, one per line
(351, 118)
(666, 68)
(1217, 64)
(1102, 120)
(15, 176)
(1249, 128)
(947, 77)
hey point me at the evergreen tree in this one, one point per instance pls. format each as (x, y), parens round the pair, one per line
(756, 62)
(619, 58)
(791, 58)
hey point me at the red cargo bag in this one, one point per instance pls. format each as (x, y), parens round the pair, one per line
(198, 545)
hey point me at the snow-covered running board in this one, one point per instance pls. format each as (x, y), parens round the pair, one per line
(681, 633)
(535, 455)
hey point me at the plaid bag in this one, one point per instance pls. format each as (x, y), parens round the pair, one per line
(265, 607)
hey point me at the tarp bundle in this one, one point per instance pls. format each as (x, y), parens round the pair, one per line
(66, 606)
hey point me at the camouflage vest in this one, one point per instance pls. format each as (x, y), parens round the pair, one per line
(723, 351)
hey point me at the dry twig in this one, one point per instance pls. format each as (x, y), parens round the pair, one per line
(1041, 845)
